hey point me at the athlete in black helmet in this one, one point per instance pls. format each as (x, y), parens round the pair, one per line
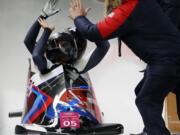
(64, 48)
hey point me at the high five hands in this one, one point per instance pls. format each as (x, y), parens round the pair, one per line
(76, 9)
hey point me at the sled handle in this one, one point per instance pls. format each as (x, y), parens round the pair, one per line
(15, 114)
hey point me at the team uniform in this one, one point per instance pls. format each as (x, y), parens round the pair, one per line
(172, 9)
(63, 92)
(149, 33)
(38, 50)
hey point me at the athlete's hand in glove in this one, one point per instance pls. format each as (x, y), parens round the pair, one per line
(50, 8)
(44, 24)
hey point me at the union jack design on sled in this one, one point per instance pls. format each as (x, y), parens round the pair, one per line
(58, 105)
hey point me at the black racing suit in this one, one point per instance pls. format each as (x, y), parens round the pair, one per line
(149, 33)
(38, 49)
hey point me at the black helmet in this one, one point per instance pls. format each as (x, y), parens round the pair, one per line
(65, 47)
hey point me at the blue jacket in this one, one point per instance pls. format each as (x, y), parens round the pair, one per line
(172, 9)
(143, 26)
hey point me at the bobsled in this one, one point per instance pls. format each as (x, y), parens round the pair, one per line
(57, 104)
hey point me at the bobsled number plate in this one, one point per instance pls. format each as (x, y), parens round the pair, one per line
(69, 120)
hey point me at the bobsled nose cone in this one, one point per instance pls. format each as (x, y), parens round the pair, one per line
(20, 130)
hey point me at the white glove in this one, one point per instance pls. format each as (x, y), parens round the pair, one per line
(49, 8)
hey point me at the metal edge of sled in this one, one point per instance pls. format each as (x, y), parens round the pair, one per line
(104, 129)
